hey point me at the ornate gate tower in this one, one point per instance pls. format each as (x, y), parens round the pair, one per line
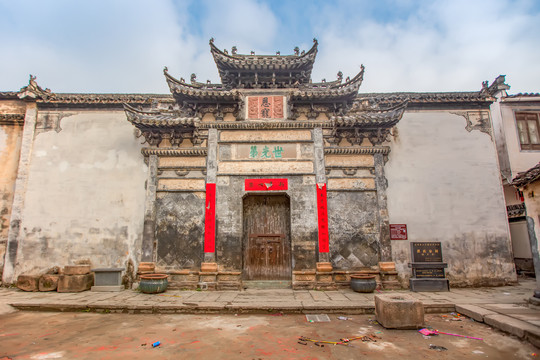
(265, 176)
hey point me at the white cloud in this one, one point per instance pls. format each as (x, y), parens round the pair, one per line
(101, 46)
(122, 45)
(446, 46)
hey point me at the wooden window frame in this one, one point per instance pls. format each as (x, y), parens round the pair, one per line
(519, 114)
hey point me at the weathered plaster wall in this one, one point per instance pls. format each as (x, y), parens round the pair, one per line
(444, 183)
(85, 193)
(10, 147)
(520, 160)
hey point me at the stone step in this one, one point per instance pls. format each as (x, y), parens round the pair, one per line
(267, 284)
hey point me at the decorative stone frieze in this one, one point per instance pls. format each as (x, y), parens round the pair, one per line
(11, 119)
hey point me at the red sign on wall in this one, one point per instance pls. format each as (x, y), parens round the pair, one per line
(266, 184)
(398, 232)
(322, 211)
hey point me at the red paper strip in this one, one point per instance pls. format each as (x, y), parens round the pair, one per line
(266, 184)
(210, 219)
(323, 218)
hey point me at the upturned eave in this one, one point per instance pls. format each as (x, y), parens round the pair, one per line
(333, 91)
(239, 63)
(144, 120)
(183, 91)
(371, 118)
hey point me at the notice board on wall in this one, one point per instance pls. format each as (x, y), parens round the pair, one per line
(398, 231)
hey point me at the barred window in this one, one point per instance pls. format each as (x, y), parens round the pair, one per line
(528, 130)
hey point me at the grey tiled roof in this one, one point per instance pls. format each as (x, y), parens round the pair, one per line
(524, 95)
(527, 177)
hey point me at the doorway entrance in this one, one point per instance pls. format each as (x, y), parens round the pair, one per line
(267, 240)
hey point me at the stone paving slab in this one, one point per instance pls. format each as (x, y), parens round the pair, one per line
(508, 324)
(508, 308)
(474, 311)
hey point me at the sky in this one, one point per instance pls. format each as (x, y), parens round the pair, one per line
(122, 46)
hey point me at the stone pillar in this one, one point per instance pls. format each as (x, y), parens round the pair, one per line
(384, 222)
(209, 264)
(14, 239)
(320, 178)
(149, 231)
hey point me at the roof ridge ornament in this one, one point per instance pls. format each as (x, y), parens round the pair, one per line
(34, 91)
(497, 86)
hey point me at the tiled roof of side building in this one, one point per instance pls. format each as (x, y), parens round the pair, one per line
(523, 95)
(527, 177)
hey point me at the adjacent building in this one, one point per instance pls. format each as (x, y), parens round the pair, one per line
(516, 127)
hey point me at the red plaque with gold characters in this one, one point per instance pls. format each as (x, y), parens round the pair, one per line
(265, 107)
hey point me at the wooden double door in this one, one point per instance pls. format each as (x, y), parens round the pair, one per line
(267, 244)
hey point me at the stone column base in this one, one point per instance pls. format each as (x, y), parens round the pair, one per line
(324, 267)
(209, 267)
(146, 268)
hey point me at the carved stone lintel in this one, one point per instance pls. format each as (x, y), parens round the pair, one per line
(197, 139)
(12, 119)
(194, 152)
(176, 138)
(379, 136)
(153, 137)
(181, 173)
(355, 136)
(350, 171)
(310, 111)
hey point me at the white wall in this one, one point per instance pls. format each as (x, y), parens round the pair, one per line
(85, 194)
(444, 183)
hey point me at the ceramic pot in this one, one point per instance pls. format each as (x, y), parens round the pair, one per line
(363, 283)
(153, 283)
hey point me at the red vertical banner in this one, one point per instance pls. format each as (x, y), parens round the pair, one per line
(210, 219)
(323, 218)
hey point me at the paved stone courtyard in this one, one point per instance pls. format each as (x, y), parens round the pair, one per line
(79, 335)
(504, 308)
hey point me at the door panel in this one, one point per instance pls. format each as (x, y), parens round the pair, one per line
(267, 238)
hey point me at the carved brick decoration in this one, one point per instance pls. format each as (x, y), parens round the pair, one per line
(253, 107)
(278, 107)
